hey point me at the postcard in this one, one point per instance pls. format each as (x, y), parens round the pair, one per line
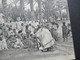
(35, 30)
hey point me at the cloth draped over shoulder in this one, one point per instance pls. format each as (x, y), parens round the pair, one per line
(45, 37)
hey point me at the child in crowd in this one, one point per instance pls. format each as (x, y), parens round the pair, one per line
(64, 31)
(18, 43)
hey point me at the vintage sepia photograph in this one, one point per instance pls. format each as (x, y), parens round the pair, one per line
(35, 30)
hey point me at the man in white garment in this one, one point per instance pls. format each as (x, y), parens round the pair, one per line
(23, 28)
(18, 23)
(45, 38)
(4, 44)
(30, 28)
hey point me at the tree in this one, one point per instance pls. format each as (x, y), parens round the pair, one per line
(47, 7)
(4, 7)
(22, 9)
(39, 7)
(32, 10)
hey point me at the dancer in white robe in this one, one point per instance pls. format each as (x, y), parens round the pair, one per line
(45, 38)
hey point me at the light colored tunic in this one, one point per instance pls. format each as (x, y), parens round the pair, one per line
(45, 37)
(23, 28)
(30, 28)
(3, 44)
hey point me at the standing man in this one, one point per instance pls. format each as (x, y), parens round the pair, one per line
(64, 31)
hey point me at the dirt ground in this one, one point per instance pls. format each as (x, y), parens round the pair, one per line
(62, 51)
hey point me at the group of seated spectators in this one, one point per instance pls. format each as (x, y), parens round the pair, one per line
(21, 34)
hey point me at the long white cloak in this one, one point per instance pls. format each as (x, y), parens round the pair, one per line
(45, 37)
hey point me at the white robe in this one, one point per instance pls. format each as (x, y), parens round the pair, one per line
(3, 44)
(23, 28)
(30, 28)
(19, 25)
(45, 37)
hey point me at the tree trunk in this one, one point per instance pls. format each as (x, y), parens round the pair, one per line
(47, 3)
(32, 10)
(39, 6)
(4, 6)
(22, 10)
(60, 14)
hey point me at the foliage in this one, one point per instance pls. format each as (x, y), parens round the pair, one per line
(46, 9)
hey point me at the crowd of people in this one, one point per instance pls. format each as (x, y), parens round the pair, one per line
(30, 34)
